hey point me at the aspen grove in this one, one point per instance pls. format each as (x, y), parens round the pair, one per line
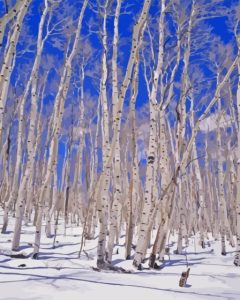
(121, 118)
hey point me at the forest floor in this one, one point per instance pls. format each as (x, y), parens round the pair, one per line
(60, 274)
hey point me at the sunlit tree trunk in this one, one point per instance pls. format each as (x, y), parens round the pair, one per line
(57, 120)
(91, 222)
(221, 190)
(142, 242)
(181, 129)
(103, 204)
(166, 202)
(77, 181)
(134, 183)
(237, 255)
(202, 212)
(19, 11)
(115, 211)
(31, 139)
(186, 153)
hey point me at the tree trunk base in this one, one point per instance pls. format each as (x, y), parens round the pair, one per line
(16, 249)
(138, 266)
(152, 261)
(89, 237)
(237, 260)
(4, 229)
(105, 266)
(35, 256)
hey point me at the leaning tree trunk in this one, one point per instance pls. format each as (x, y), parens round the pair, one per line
(182, 164)
(10, 15)
(19, 11)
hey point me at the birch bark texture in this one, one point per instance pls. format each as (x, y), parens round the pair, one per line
(57, 120)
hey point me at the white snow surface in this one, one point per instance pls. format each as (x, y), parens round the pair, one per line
(59, 273)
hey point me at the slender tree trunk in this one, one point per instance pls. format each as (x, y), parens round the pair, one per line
(237, 255)
(115, 211)
(31, 139)
(147, 206)
(21, 8)
(57, 120)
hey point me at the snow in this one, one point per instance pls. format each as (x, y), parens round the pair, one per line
(60, 274)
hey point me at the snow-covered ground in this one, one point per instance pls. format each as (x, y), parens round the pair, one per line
(60, 274)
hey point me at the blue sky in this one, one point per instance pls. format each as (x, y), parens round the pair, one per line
(54, 51)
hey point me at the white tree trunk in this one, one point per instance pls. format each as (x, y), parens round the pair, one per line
(117, 186)
(237, 256)
(21, 8)
(103, 204)
(142, 242)
(31, 139)
(57, 120)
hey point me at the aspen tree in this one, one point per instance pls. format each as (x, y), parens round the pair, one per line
(77, 181)
(237, 255)
(66, 179)
(182, 164)
(135, 169)
(40, 167)
(57, 120)
(147, 206)
(164, 171)
(181, 127)
(231, 166)
(5, 152)
(91, 218)
(137, 31)
(224, 225)
(10, 15)
(230, 178)
(14, 189)
(31, 139)
(19, 10)
(202, 213)
(133, 187)
(136, 42)
(166, 202)
(103, 204)
(115, 210)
